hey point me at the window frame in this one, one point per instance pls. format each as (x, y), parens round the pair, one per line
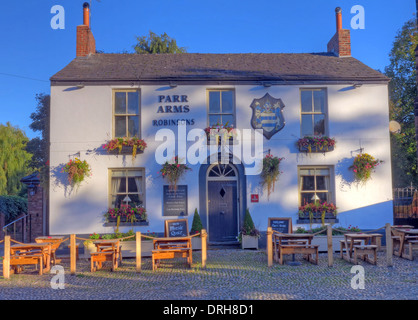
(331, 187)
(233, 113)
(143, 194)
(313, 112)
(126, 115)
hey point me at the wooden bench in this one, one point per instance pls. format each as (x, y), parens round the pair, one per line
(305, 249)
(171, 253)
(364, 251)
(342, 247)
(97, 258)
(16, 261)
(411, 244)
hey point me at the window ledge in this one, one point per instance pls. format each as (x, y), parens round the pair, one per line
(316, 220)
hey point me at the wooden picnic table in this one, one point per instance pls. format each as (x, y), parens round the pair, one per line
(406, 236)
(55, 242)
(19, 252)
(292, 243)
(371, 242)
(107, 250)
(172, 247)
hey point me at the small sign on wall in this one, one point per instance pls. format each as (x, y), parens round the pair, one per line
(254, 198)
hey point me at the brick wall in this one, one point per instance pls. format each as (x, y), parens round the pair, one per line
(85, 41)
(340, 43)
(35, 211)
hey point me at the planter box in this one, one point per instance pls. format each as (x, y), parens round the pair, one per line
(128, 249)
(112, 223)
(126, 150)
(323, 244)
(329, 217)
(316, 149)
(249, 242)
(197, 243)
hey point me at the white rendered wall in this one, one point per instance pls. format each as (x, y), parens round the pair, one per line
(81, 122)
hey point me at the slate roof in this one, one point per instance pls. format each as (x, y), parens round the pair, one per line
(221, 68)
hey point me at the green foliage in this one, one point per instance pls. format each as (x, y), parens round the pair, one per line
(196, 224)
(402, 93)
(14, 159)
(12, 206)
(249, 227)
(157, 44)
(39, 146)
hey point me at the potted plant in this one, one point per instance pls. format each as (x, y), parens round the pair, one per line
(249, 235)
(316, 144)
(318, 210)
(89, 247)
(363, 166)
(270, 172)
(172, 171)
(77, 171)
(126, 145)
(196, 228)
(220, 133)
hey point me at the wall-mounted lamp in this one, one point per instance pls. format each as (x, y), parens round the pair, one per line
(357, 85)
(173, 85)
(266, 84)
(80, 86)
(32, 188)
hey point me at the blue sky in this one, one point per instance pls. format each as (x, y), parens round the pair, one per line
(31, 51)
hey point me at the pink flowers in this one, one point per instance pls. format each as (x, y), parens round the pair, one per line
(363, 166)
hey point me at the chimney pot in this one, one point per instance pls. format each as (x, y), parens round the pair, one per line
(339, 18)
(86, 13)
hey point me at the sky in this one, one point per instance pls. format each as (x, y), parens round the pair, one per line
(32, 51)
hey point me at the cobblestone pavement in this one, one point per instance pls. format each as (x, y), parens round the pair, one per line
(230, 275)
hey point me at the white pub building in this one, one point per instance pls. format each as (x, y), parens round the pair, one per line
(282, 98)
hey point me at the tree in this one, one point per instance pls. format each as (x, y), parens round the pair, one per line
(39, 146)
(157, 44)
(402, 93)
(14, 159)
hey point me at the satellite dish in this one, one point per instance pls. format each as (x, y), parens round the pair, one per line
(394, 127)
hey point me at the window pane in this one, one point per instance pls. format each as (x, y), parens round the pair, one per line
(122, 186)
(323, 196)
(321, 183)
(120, 102)
(133, 126)
(120, 127)
(319, 101)
(306, 125)
(308, 183)
(213, 120)
(132, 187)
(133, 102)
(228, 119)
(307, 198)
(306, 100)
(214, 102)
(319, 126)
(227, 102)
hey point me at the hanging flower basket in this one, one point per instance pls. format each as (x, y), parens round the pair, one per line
(77, 171)
(125, 146)
(316, 144)
(270, 172)
(318, 210)
(363, 166)
(220, 133)
(173, 171)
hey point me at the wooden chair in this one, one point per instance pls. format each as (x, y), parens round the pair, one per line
(170, 253)
(17, 261)
(97, 259)
(342, 247)
(305, 249)
(411, 244)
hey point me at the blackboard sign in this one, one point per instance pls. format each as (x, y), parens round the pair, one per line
(176, 228)
(175, 201)
(282, 225)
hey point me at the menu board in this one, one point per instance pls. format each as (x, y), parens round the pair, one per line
(177, 228)
(282, 225)
(175, 201)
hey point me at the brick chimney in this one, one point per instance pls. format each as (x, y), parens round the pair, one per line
(340, 44)
(85, 41)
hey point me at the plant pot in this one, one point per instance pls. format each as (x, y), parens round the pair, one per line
(249, 242)
(323, 242)
(315, 149)
(129, 249)
(89, 247)
(126, 150)
(197, 243)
